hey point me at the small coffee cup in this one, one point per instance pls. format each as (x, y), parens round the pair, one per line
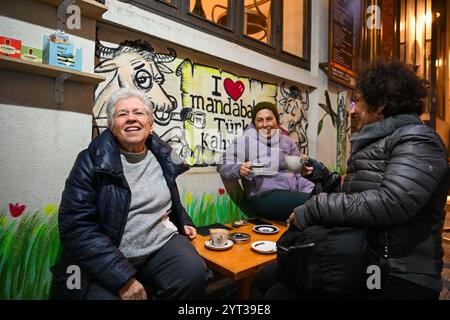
(218, 236)
(258, 168)
(295, 163)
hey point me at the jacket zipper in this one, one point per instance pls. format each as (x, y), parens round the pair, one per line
(124, 184)
(386, 246)
(124, 222)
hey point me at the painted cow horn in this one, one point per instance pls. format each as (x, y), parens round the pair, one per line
(102, 51)
(164, 58)
(286, 94)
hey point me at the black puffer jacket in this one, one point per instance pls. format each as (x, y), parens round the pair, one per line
(396, 185)
(93, 213)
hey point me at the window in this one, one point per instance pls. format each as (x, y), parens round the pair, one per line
(415, 35)
(215, 11)
(257, 16)
(293, 27)
(279, 29)
(415, 47)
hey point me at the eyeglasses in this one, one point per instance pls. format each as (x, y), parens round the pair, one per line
(352, 105)
(139, 113)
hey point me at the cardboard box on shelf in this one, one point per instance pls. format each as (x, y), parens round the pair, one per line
(31, 54)
(10, 47)
(61, 54)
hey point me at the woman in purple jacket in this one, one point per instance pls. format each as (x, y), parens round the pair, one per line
(257, 158)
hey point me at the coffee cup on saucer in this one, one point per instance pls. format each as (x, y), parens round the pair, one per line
(219, 236)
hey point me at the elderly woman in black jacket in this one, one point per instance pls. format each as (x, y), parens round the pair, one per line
(396, 183)
(122, 226)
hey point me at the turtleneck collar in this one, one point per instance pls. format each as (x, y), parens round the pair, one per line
(133, 157)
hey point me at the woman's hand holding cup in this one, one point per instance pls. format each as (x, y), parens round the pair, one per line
(246, 169)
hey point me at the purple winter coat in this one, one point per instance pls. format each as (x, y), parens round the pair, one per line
(253, 147)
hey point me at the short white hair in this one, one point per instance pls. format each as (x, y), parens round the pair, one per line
(125, 93)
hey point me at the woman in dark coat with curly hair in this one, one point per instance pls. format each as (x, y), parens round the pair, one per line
(396, 183)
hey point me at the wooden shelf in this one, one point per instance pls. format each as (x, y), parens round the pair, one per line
(45, 70)
(89, 8)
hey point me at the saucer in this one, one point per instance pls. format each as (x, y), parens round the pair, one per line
(239, 237)
(264, 246)
(266, 228)
(260, 169)
(228, 244)
(265, 173)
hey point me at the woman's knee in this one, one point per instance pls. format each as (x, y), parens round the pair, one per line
(189, 282)
(198, 272)
(195, 275)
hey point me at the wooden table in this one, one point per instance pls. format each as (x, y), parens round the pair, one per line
(240, 262)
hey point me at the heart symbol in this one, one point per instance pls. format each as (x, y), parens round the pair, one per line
(234, 89)
(221, 191)
(16, 209)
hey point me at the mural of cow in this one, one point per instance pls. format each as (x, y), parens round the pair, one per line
(134, 64)
(293, 118)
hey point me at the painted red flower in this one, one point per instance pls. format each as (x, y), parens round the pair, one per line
(221, 191)
(16, 209)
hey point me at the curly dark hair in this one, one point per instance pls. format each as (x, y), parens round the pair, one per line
(394, 85)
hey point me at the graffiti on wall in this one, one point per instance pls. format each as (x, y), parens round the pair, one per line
(339, 120)
(219, 105)
(134, 64)
(293, 117)
(200, 109)
(29, 246)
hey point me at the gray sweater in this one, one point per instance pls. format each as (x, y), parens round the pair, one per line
(148, 226)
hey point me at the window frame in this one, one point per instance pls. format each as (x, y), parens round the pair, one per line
(179, 12)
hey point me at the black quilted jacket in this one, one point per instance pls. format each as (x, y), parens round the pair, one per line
(396, 185)
(93, 213)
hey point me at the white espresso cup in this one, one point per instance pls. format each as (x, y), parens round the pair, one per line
(218, 236)
(258, 168)
(295, 163)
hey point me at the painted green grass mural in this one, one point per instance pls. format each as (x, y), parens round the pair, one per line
(208, 209)
(29, 245)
